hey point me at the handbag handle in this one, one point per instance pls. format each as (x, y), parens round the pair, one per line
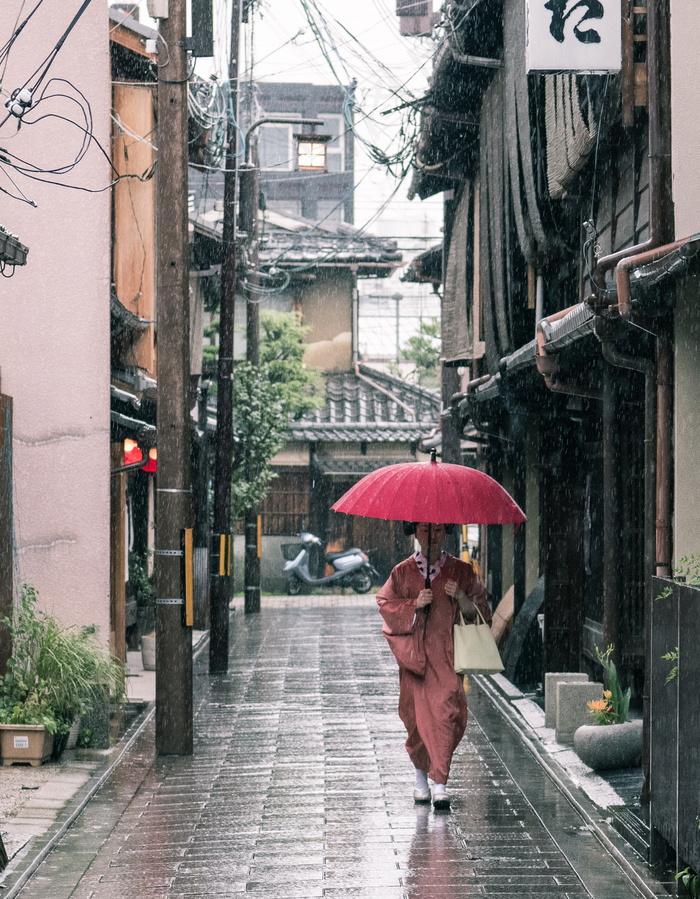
(478, 612)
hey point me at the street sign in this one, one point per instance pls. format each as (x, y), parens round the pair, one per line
(574, 35)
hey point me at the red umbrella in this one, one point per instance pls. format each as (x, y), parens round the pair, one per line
(431, 491)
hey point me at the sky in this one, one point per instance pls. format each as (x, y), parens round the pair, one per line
(360, 40)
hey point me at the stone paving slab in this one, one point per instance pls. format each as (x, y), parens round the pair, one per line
(299, 787)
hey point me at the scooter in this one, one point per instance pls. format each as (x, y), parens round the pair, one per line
(351, 567)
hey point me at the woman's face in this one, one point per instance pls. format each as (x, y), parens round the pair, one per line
(437, 537)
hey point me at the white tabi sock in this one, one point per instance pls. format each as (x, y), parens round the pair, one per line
(421, 779)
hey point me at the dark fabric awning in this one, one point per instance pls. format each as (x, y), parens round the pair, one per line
(456, 297)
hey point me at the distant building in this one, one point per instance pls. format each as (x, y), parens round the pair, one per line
(287, 189)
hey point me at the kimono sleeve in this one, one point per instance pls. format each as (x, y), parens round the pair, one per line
(404, 635)
(476, 591)
(397, 610)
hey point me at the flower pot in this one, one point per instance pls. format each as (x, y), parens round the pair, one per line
(148, 652)
(602, 746)
(25, 744)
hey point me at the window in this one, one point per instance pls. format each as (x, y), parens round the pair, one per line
(335, 148)
(276, 147)
(311, 154)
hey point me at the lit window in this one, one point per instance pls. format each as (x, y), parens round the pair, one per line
(311, 152)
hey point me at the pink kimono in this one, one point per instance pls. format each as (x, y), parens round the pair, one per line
(432, 704)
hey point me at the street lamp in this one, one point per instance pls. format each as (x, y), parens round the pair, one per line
(311, 152)
(249, 200)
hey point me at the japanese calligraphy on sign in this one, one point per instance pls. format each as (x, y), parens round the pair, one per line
(573, 35)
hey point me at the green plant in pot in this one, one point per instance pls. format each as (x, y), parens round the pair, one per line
(142, 582)
(55, 671)
(613, 708)
(613, 741)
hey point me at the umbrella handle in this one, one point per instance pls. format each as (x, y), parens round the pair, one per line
(427, 568)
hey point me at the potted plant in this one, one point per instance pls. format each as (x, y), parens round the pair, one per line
(613, 741)
(143, 584)
(27, 722)
(55, 672)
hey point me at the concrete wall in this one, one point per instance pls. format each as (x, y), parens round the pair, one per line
(327, 311)
(54, 323)
(685, 26)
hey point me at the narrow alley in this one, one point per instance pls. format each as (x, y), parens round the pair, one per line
(299, 787)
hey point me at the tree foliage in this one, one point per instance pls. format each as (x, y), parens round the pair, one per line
(423, 350)
(282, 351)
(259, 422)
(266, 398)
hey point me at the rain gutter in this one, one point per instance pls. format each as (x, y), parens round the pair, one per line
(520, 358)
(679, 251)
(659, 142)
(553, 334)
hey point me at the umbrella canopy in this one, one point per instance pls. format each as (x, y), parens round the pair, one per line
(431, 491)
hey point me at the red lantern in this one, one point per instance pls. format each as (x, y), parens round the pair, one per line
(152, 464)
(132, 452)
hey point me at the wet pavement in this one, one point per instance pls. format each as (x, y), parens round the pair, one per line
(299, 787)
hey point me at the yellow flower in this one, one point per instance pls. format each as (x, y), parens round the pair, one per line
(607, 694)
(597, 705)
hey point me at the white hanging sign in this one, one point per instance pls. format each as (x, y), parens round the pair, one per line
(574, 35)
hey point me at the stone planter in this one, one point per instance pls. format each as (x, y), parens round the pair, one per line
(602, 746)
(25, 744)
(148, 652)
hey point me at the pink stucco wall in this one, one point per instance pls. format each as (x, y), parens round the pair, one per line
(54, 321)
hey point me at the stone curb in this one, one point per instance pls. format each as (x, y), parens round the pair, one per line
(640, 875)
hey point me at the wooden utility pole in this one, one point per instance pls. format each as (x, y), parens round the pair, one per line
(223, 465)
(174, 731)
(250, 190)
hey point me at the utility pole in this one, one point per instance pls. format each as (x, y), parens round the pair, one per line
(249, 222)
(174, 731)
(223, 534)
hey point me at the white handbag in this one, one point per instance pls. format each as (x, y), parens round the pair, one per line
(475, 649)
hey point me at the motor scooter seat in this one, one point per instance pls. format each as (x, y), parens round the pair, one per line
(343, 552)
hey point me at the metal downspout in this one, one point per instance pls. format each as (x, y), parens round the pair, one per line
(661, 224)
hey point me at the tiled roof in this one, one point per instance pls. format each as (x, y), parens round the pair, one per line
(368, 405)
(290, 242)
(359, 465)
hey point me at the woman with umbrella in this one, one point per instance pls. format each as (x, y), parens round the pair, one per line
(420, 603)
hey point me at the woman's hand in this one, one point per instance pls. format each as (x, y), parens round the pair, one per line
(466, 606)
(425, 597)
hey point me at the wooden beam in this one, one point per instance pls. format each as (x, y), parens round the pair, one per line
(131, 41)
